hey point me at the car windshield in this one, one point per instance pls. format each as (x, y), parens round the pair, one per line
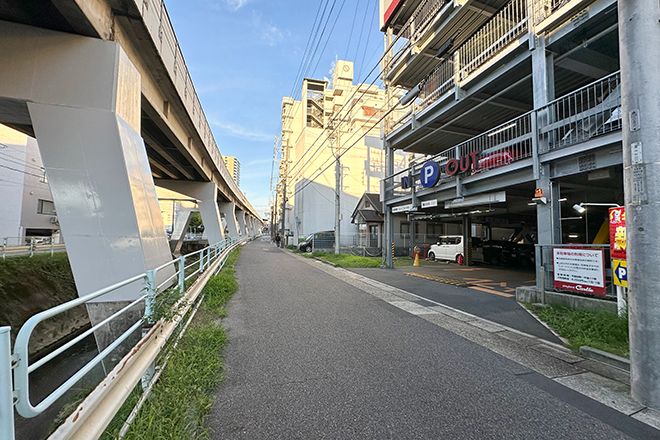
(309, 237)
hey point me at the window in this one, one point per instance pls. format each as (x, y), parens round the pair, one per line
(45, 207)
(405, 229)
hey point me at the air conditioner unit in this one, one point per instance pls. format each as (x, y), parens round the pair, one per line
(54, 220)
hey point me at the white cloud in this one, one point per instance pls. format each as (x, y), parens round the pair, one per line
(271, 34)
(236, 130)
(236, 4)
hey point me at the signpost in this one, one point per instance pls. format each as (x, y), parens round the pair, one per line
(617, 218)
(579, 270)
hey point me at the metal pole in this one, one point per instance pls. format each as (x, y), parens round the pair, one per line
(6, 387)
(337, 202)
(640, 94)
(182, 274)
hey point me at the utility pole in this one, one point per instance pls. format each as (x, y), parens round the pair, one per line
(388, 242)
(639, 38)
(285, 161)
(335, 146)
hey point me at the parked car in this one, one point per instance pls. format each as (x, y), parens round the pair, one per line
(318, 240)
(450, 247)
(508, 253)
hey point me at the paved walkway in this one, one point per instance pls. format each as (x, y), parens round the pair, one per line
(317, 352)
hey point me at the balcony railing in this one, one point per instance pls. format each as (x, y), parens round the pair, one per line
(505, 27)
(590, 111)
(491, 39)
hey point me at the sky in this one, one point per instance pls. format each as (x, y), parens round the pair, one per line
(244, 56)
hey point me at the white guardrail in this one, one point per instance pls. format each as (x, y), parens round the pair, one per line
(93, 415)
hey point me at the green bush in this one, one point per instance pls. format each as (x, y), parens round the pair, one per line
(598, 329)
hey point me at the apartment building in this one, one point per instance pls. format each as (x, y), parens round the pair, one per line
(516, 105)
(234, 167)
(27, 204)
(333, 118)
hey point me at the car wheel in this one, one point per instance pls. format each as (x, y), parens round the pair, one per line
(308, 249)
(431, 256)
(459, 259)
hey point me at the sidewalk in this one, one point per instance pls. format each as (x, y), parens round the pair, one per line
(319, 352)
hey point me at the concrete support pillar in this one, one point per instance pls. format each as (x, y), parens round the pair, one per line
(467, 240)
(82, 97)
(228, 209)
(639, 38)
(240, 218)
(181, 223)
(206, 194)
(547, 215)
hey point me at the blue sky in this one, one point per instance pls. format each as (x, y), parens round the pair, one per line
(243, 56)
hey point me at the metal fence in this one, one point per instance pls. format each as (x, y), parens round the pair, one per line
(187, 270)
(498, 32)
(591, 111)
(31, 245)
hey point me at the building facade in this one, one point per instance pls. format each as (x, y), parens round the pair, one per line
(516, 105)
(333, 119)
(27, 204)
(234, 167)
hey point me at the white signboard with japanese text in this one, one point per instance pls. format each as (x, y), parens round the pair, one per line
(579, 270)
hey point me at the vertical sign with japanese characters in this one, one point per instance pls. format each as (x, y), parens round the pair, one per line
(618, 233)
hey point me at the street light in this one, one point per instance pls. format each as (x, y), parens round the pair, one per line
(580, 207)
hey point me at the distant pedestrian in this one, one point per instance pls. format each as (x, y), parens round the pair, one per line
(278, 240)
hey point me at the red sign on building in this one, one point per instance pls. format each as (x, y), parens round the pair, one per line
(618, 233)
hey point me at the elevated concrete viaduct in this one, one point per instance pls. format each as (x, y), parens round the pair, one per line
(104, 88)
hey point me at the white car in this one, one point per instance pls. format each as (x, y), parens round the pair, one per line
(450, 247)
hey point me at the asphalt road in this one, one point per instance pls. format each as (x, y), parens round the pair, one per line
(485, 303)
(312, 357)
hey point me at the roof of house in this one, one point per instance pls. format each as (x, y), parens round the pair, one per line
(370, 216)
(374, 200)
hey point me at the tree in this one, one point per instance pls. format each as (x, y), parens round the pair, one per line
(196, 223)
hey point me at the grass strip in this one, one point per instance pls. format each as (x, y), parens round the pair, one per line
(181, 400)
(598, 329)
(349, 260)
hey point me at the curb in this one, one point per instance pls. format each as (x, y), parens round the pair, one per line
(605, 357)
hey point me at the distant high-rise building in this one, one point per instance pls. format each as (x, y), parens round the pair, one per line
(234, 167)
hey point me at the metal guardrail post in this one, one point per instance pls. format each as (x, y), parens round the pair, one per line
(52, 247)
(31, 247)
(6, 388)
(182, 273)
(201, 261)
(151, 290)
(4, 247)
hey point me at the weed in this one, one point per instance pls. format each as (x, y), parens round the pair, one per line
(599, 329)
(182, 398)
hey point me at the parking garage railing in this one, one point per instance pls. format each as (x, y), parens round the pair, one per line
(493, 37)
(590, 111)
(500, 146)
(184, 282)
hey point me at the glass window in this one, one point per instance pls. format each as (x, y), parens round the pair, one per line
(45, 207)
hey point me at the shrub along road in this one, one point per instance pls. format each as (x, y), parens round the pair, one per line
(313, 356)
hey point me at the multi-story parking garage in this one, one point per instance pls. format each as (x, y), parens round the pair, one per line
(517, 107)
